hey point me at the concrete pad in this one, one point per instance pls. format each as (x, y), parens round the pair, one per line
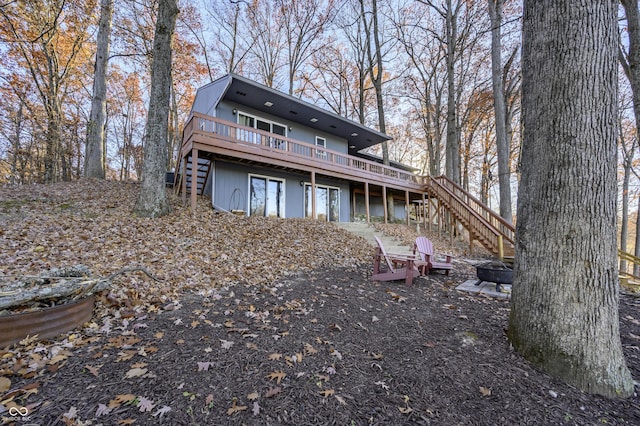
(486, 289)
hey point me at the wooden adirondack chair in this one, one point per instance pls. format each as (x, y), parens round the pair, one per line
(386, 266)
(424, 248)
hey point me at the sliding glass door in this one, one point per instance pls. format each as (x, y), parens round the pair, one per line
(266, 196)
(327, 203)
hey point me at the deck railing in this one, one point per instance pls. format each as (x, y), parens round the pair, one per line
(211, 127)
(495, 220)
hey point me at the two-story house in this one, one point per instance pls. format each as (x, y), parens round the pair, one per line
(262, 152)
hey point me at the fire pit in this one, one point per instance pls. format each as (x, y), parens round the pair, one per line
(495, 272)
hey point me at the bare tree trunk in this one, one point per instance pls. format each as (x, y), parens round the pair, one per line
(94, 155)
(502, 143)
(16, 152)
(627, 166)
(452, 158)
(153, 201)
(376, 69)
(564, 310)
(631, 65)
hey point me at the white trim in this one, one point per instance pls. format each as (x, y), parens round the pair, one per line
(267, 178)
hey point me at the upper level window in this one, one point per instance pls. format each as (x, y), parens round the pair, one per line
(264, 125)
(321, 142)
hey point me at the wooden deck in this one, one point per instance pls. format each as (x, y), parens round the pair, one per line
(212, 138)
(229, 140)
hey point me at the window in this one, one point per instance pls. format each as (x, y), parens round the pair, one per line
(264, 125)
(266, 196)
(321, 142)
(327, 202)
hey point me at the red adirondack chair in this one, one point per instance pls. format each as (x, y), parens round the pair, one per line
(424, 248)
(392, 267)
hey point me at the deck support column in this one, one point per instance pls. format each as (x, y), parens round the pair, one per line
(423, 213)
(384, 203)
(313, 196)
(194, 178)
(183, 180)
(452, 224)
(366, 201)
(406, 205)
(353, 203)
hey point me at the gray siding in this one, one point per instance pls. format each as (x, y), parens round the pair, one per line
(207, 97)
(231, 188)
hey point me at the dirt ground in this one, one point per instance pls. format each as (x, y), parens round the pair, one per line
(318, 346)
(328, 347)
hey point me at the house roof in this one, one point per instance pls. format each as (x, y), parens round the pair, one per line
(243, 91)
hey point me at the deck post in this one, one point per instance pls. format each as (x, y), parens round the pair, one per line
(366, 201)
(384, 203)
(406, 205)
(353, 203)
(423, 213)
(183, 180)
(452, 226)
(194, 178)
(313, 196)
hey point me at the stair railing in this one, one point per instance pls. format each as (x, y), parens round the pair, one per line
(498, 222)
(468, 211)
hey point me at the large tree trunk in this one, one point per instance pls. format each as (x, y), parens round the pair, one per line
(376, 70)
(452, 159)
(94, 155)
(153, 201)
(564, 311)
(502, 143)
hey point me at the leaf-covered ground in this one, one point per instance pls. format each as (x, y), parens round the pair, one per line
(265, 322)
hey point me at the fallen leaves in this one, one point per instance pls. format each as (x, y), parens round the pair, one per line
(226, 344)
(145, 405)
(327, 393)
(5, 384)
(204, 366)
(93, 370)
(162, 411)
(135, 372)
(235, 408)
(271, 392)
(277, 376)
(396, 296)
(120, 399)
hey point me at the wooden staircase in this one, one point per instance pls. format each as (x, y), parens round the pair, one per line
(491, 230)
(483, 224)
(203, 169)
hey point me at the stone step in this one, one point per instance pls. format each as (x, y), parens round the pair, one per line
(391, 245)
